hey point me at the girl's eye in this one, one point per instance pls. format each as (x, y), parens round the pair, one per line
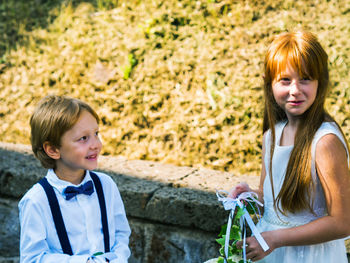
(285, 81)
(305, 80)
(97, 133)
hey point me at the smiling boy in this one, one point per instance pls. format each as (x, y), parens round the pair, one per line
(72, 214)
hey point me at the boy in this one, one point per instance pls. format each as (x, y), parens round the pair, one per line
(73, 214)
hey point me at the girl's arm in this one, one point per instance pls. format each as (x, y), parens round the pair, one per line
(333, 171)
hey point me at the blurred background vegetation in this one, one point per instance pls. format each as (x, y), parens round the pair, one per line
(175, 81)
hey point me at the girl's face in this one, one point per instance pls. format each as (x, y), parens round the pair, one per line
(293, 93)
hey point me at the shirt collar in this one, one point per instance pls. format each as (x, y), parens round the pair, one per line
(59, 184)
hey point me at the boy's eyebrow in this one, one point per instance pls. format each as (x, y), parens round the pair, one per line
(84, 131)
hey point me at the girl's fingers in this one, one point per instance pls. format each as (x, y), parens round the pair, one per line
(238, 189)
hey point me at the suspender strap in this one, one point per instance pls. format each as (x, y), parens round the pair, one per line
(101, 200)
(58, 219)
(57, 216)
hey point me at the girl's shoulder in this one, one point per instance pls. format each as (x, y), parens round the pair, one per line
(328, 128)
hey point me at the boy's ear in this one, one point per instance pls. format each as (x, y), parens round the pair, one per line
(51, 151)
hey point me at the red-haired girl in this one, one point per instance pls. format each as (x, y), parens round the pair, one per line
(305, 180)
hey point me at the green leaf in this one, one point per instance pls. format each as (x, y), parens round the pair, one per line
(223, 230)
(240, 213)
(132, 60)
(221, 260)
(221, 240)
(229, 251)
(235, 250)
(252, 208)
(235, 233)
(126, 72)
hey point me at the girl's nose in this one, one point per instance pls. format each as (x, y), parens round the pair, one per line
(294, 88)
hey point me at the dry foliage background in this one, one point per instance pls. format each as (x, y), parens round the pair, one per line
(173, 81)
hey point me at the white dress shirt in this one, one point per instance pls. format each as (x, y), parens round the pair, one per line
(82, 218)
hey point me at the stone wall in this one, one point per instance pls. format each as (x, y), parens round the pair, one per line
(173, 211)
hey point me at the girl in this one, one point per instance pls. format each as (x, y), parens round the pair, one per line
(305, 180)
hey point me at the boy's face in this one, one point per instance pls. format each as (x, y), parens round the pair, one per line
(80, 147)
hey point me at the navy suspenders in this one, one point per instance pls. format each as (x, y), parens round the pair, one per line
(101, 200)
(58, 219)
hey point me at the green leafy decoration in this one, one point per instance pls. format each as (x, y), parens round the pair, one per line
(234, 254)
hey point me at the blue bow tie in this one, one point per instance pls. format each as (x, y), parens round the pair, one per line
(72, 191)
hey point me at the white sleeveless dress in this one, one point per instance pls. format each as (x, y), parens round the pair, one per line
(328, 252)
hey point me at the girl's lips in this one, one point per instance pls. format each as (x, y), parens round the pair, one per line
(296, 102)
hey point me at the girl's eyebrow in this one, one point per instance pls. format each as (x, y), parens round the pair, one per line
(284, 75)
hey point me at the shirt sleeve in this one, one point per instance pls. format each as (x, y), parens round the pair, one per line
(122, 231)
(33, 236)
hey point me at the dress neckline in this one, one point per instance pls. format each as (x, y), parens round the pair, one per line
(279, 135)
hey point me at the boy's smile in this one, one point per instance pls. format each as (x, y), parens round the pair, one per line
(80, 148)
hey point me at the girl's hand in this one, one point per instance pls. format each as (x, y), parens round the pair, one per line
(253, 249)
(238, 189)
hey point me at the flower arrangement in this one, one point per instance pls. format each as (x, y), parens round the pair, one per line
(240, 225)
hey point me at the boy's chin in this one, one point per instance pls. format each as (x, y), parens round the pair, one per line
(91, 166)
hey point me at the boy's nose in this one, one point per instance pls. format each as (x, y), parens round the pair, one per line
(96, 143)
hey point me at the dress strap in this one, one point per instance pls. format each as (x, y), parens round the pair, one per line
(57, 216)
(101, 200)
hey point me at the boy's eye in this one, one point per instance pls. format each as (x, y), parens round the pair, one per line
(84, 138)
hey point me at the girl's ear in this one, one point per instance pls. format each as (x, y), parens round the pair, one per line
(51, 151)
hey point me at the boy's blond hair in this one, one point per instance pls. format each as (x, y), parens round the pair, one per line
(53, 116)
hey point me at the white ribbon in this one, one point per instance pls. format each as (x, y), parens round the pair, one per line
(231, 204)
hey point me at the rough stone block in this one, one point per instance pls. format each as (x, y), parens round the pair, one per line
(9, 259)
(135, 193)
(186, 207)
(18, 172)
(170, 244)
(9, 230)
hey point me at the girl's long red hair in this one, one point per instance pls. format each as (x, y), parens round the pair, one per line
(302, 51)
